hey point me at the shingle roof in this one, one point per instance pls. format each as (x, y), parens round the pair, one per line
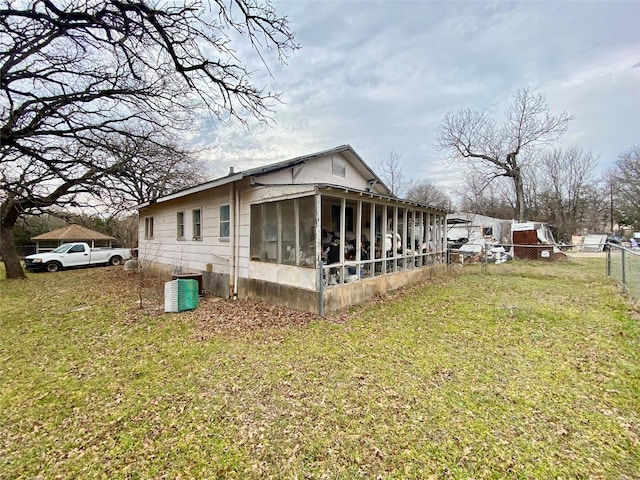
(73, 232)
(347, 150)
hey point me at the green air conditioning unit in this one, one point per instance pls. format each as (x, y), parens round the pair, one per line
(180, 295)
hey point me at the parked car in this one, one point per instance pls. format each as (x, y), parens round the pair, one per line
(619, 240)
(77, 254)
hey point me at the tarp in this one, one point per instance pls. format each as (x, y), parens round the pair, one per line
(593, 243)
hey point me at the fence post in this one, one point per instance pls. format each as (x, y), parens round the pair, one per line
(485, 268)
(321, 288)
(624, 276)
(608, 262)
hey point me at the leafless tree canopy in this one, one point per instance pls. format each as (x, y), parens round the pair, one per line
(498, 150)
(566, 181)
(625, 180)
(149, 170)
(81, 78)
(490, 198)
(426, 192)
(391, 171)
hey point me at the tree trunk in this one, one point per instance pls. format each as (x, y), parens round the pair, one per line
(520, 203)
(8, 250)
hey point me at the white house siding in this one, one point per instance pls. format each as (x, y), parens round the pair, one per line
(188, 254)
(319, 171)
(227, 262)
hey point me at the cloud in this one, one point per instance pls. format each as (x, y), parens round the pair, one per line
(381, 75)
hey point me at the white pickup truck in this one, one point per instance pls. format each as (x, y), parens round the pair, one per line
(78, 254)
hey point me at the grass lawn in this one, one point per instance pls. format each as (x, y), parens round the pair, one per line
(530, 370)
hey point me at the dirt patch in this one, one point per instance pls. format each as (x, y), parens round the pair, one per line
(215, 315)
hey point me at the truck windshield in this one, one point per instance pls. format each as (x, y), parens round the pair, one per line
(62, 248)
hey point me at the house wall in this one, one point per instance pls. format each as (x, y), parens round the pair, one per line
(211, 254)
(301, 277)
(319, 171)
(214, 256)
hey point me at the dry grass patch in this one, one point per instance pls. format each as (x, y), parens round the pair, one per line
(529, 371)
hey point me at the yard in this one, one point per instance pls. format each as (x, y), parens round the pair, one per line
(530, 370)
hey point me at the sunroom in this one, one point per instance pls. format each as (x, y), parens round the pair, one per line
(338, 246)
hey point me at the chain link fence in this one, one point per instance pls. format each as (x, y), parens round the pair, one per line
(623, 265)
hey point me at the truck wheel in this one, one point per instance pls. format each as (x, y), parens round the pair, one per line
(53, 266)
(115, 260)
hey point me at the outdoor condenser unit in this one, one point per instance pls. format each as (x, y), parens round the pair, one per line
(180, 295)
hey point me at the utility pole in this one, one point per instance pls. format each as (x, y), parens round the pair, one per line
(611, 205)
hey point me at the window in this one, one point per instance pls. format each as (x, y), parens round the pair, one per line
(197, 224)
(180, 225)
(287, 232)
(148, 227)
(338, 167)
(283, 232)
(77, 249)
(487, 231)
(225, 221)
(335, 218)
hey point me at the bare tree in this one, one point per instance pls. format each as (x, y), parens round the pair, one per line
(149, 170)
(78, 78)
(489, 197)
(427, 192)
(391, 170)
(567, 177)
(498, 150)
(625, 182)
(597, 208)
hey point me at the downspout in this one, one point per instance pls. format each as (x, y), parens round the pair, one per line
(232, 240)
(318, 243)
(236, 241)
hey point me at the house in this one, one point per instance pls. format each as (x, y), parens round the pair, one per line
(477, 228)
(317, 233)
(71, 233)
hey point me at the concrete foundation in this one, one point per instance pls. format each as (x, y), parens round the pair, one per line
(293, 297)
(216, 284)
(335, 297)
(342, 296)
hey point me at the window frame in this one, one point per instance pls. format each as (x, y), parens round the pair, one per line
(226, 222)
(180, 225)
(148, 227)
(269, 238)
(196, 235)
(338, 167)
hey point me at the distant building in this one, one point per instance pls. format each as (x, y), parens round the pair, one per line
(71, 233)
(474, 227)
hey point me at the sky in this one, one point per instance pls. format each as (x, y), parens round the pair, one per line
(380, 76)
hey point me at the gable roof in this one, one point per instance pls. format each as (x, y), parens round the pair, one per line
(346, 150)
(73, 232)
